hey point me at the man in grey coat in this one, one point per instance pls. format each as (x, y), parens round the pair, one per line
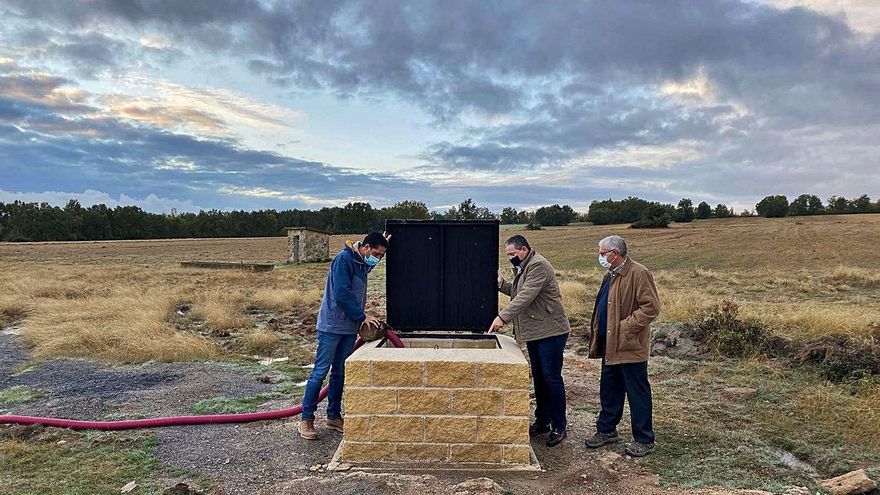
(539, 320)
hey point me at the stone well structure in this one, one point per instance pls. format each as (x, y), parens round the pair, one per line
(307, 245)
(443, 401)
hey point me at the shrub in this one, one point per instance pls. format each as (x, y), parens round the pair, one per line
(841, 358)
(725, 334)
(654, 216)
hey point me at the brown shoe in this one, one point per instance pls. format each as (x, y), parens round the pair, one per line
(307, 429)
(335, 424)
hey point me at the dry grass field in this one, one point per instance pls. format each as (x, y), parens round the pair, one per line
(800, 278)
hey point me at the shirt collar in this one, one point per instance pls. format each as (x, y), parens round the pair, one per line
(616, 271)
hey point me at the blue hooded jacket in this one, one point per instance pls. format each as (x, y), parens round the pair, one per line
(345, 293)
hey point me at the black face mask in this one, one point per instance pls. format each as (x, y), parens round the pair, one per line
(515, 261)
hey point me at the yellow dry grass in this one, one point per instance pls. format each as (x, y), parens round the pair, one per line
(576, 297)
(855, 417)
(854, 276)
(221, 310)
(124, 312)
(260, 342)
(285, 299)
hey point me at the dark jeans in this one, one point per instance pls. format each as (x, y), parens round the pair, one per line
(546, 358)
(333, 349)
(631, 381)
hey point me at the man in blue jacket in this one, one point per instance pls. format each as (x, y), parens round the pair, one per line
(340, 316)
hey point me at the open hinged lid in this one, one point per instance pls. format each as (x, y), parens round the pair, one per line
(442, 274)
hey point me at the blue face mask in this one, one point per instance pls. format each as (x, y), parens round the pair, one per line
(371, 260)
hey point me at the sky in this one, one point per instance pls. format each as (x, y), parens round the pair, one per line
(253, 104)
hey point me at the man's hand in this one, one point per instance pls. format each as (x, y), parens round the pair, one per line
(496, 325)
(387, 236)
(372, 321)
(500, 279)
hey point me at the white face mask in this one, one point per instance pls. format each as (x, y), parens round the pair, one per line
(604, 262)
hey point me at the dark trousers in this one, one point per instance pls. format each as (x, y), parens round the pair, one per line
(630, 381)
(546, 359)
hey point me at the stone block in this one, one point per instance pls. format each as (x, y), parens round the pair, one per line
(479, 402)
(503, 430)
(423, 401)
(516, 403)
(504, 375)
(450, 374)
(397, 428)
(397, 373)
(449, 429)
(370, 400)
(475, 453)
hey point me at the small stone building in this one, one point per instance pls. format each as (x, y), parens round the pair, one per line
(307, 245)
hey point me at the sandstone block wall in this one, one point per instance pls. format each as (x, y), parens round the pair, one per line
(439, 405)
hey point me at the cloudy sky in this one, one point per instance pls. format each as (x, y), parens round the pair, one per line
(247, 104)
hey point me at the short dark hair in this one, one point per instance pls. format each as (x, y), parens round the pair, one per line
(375, 239)
(518, 242)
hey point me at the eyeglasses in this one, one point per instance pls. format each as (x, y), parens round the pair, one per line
(603, 253)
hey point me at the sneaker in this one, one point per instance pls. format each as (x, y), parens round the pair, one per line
(335, 424)
(556, 437)
(535, 429)
(599, 439)
(307, 429)
(637, 449)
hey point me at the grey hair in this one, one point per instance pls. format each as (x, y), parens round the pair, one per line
(615, 242)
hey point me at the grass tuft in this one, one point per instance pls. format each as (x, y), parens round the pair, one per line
(18, 395)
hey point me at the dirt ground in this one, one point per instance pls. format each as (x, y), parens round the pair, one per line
(269, 457)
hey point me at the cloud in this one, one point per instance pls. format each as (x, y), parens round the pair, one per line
(724, 98)
(151, 202)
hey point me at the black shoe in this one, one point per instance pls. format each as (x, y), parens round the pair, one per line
(637, 449)
(600, 439)
(556, 437)
(535, 429)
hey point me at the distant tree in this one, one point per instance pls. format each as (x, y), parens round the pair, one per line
(407, 210)
(838, 204)
(655, 216)
(526, 217)
(555, 215)
(772, 206)
(722, 211)
(509, 216)
(746, 213)
(805, 204)
(685, 211)
(862, 204)
(704, 211)
(609, 211)
(468, 210)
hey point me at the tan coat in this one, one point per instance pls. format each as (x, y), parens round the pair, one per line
(535, 306)
(632, 305)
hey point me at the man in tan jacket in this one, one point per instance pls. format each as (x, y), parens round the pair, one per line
(621, 336)
(539, 320)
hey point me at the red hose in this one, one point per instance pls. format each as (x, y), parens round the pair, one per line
(177, 420)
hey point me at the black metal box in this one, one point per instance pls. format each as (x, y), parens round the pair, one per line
(441, 274)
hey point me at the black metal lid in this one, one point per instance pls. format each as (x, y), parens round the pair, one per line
(441, 274)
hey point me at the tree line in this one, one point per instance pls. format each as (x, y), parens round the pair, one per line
(641, 213)
(21, 221)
